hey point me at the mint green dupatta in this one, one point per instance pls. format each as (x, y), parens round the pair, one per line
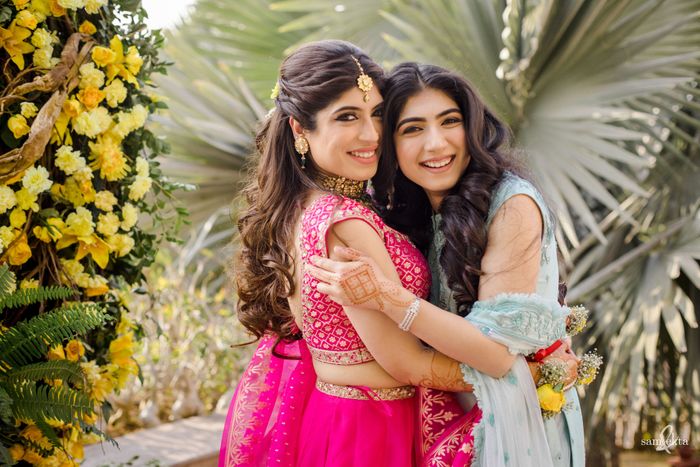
(512, 430)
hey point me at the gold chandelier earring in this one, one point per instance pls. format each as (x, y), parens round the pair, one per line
(302, 147)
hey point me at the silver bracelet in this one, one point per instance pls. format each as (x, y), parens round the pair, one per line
(411, 313)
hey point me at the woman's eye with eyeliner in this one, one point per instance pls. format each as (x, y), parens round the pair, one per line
(410, 129)
(379, 113)
(452, 121)
(346, 117)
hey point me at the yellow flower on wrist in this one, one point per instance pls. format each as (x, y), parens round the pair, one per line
(550, 399)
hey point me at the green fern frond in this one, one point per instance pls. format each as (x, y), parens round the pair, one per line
(69, 372)
(25, 297)
(29, 341)
(32, 402)
(8, 282)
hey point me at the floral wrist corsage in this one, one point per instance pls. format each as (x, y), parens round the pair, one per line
(559, 368)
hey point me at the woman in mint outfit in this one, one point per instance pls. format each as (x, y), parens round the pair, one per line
(488, 234)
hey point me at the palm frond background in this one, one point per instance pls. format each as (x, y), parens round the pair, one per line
(603, 97)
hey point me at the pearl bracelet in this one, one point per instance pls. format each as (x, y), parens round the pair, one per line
(411, 313)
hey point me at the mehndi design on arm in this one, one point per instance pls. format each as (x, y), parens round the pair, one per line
(361, 285)
(445, 374)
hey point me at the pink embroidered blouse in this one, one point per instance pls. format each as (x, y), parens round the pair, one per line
(327, 330)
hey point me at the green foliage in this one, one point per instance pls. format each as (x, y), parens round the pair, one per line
(28, 389)
(24, 297)
(41, 402)
(30, 340)
(67, 371)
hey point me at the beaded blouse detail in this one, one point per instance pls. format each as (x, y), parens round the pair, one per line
(330, 336)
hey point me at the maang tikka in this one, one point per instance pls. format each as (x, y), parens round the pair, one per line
(364, 81)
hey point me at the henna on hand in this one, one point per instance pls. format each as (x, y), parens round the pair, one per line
(361, 285)
(445, 374)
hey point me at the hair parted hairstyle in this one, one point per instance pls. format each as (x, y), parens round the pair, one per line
(310, 79)
(464, 210)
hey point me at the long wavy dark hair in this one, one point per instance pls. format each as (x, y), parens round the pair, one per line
(464, 210)
(310, 79)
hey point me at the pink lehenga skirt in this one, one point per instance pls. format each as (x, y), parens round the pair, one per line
(350, 426)
(280, 415)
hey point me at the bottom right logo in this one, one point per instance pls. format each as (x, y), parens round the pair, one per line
(666, 441)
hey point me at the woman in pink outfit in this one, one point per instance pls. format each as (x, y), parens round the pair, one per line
(313, 395)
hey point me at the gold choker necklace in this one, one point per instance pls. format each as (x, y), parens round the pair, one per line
(341, 185)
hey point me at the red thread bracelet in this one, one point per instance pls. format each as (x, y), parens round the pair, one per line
(544, 353)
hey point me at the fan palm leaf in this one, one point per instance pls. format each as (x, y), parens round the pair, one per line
(645, 283)
(570, 73)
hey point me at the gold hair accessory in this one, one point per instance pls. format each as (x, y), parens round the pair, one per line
(275, 91)
(364, 81)
(302, 147)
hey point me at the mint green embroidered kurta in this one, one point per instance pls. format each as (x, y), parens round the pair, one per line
(564, 432)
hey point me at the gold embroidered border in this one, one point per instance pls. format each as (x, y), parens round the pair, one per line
(379, 394)
(347, 357)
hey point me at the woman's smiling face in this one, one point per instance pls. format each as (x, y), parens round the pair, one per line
(431, 143)
(346, 138)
